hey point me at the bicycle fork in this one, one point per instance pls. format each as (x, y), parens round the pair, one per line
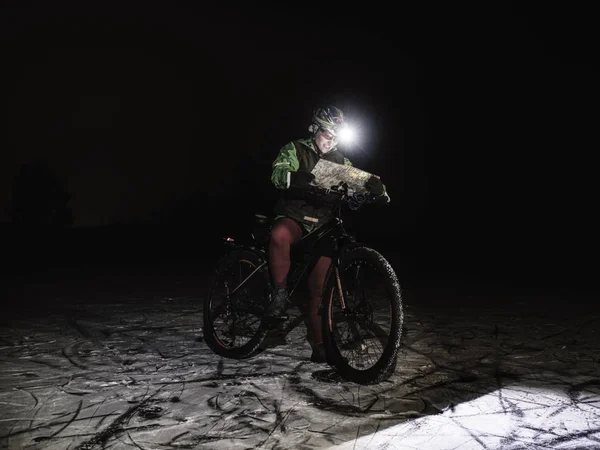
(360, 346)
(340, 290)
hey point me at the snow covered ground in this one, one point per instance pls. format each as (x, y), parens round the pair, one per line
(110, 362)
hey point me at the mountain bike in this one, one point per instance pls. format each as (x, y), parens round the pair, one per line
(361, 304)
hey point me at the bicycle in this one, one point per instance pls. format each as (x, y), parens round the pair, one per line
(361, 334)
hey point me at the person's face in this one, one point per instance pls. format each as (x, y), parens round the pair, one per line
(325, 141)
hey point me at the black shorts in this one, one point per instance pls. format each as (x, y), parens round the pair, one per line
(325, 246)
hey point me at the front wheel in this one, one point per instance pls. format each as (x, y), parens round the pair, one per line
(362, 316)
(236, 304)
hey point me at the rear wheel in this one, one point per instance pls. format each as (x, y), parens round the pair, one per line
(362, 316)
(234, 309)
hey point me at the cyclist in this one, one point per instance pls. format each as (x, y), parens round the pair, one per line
(297, 212)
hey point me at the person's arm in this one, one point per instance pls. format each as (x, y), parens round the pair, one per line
(286, 162)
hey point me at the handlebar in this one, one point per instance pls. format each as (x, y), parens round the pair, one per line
(342, 193)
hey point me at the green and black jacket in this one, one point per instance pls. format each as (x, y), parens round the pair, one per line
(301, 155)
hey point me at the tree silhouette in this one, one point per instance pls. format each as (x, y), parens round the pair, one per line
(40, 198)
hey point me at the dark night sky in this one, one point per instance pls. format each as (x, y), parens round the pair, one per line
(481, 120)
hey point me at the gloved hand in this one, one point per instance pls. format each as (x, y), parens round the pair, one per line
(374, 185)
(301, 179)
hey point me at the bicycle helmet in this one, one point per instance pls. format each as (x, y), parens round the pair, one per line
(329, 118)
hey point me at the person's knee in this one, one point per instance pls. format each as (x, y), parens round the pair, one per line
(283, 233)
(280, 235)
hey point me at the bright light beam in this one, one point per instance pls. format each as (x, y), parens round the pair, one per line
(347, 135)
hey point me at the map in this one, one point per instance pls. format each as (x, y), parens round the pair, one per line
(328, 174)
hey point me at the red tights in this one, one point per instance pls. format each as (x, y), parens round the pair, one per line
(284, 234)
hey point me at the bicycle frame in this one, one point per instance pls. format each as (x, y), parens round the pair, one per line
(335, 225)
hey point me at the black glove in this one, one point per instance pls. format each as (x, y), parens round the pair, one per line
(301, 179)
(374, 185)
